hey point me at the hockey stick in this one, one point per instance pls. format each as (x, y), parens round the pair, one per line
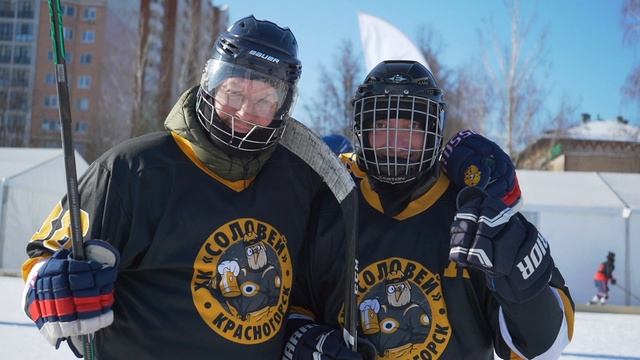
(73, 197)
(627, 291)
(310, 148)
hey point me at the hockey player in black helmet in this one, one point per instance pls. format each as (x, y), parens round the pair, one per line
(475, 275)
(399, 120)
(207, 231)
(248, 88)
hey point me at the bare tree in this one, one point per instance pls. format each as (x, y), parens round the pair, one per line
(330, 111)
(186, 44)
(6, 133)
(14, 107)
(129, 103)
(630, 22)
(146, 116)
(512, 71)
(540, 154)
(192, 46)
(468, 101)
(114, 112)
(563, 119)
(199, 30)
(138, 82)
(430, 44)
(13, 125)
(465, 95)
(505, 92)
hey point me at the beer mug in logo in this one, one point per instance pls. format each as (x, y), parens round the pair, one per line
(369, 309)
(228, 285)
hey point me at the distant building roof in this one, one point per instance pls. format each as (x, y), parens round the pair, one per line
(600, 130)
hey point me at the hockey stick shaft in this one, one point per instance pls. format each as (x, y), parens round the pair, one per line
(350, 213)
(627, 291)
(64, 111)
(306, 145)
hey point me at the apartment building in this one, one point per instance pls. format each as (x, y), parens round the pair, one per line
(84, 25)
(177, 38)
(194, 40)
(126, 61)
(18, 36)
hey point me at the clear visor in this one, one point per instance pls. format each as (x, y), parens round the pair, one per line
(239, 91)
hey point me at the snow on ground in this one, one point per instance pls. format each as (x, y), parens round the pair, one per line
(597, 335)
(19, 338)
(605, 336)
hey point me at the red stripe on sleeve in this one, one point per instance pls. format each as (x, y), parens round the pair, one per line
(513, 195)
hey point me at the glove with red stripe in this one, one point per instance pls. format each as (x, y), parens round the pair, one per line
(470, 159)
(68, 298)
(490, 236)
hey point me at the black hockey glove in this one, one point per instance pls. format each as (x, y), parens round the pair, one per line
(470, 159)
(488, 235)
(319, 342)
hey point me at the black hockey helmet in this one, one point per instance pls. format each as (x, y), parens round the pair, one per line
(398, 96)
(251, 50)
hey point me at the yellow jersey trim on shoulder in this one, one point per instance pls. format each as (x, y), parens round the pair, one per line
(349, 159)
(186, 147)
(415, 207)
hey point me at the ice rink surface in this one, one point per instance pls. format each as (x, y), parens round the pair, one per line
(596, 336)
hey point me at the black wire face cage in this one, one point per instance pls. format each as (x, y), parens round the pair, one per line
(399, 136)
(211, 111)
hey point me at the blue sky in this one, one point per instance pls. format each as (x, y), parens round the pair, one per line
(588, 60)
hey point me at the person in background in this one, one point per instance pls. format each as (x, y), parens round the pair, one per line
(602, 278)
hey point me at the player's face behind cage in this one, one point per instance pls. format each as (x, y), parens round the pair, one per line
(399, 136)
(243, 108)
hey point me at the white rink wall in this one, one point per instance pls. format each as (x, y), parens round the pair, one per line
(580, 215)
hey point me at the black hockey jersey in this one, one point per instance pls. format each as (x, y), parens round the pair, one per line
(207, 266)
(414, 302)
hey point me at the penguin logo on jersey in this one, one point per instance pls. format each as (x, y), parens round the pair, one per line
(402, 310)
(242, 281)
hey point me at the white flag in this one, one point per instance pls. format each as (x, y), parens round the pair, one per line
(383, 41)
